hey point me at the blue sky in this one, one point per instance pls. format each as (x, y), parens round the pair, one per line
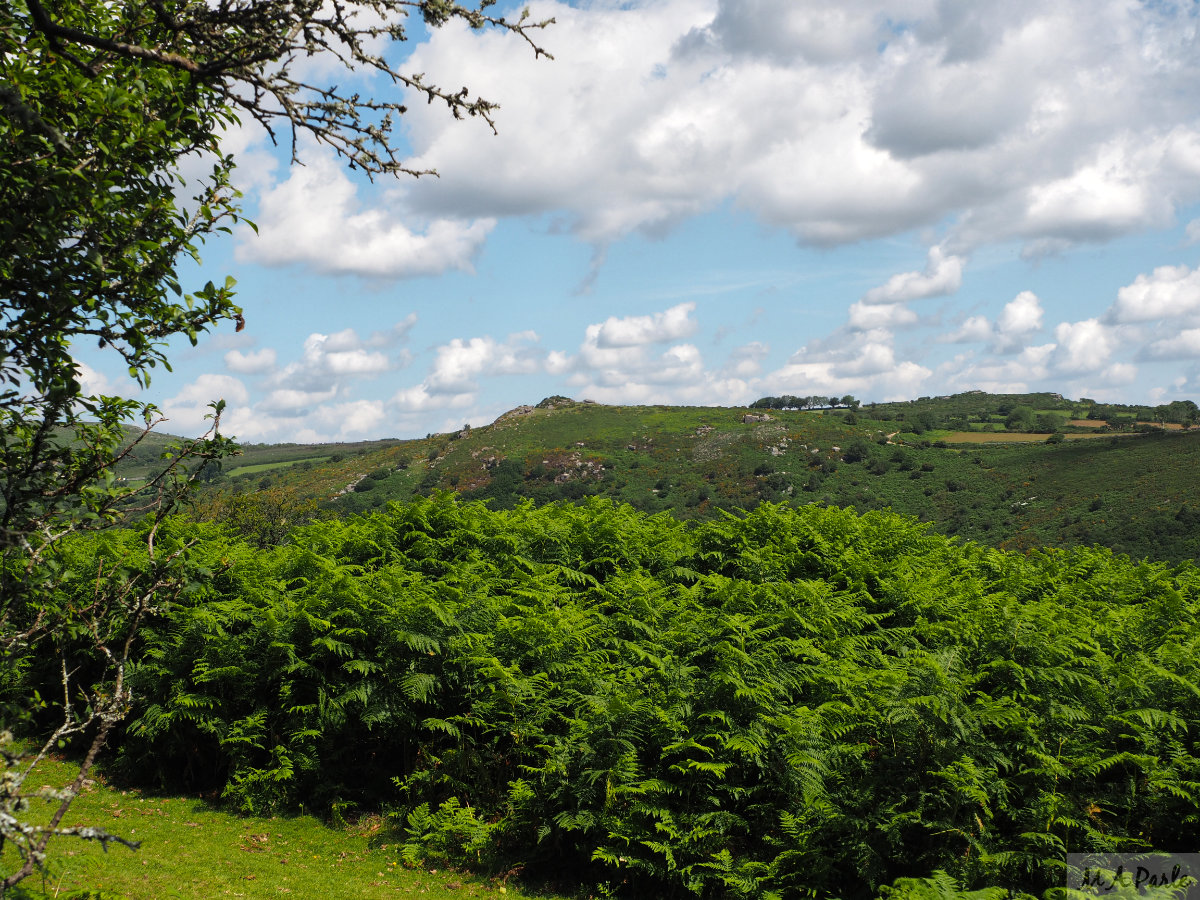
(707, 201)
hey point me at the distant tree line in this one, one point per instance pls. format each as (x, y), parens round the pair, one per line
(1177, 412)
(1040, 412)
(787, 401)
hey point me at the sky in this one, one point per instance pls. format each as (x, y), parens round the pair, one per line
(703, 202)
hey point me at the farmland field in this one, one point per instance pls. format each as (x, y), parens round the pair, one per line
(1013, 437)
(269, 466)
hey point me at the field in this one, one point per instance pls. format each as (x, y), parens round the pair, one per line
(268, 466)
(193, 849)
(1011, 437)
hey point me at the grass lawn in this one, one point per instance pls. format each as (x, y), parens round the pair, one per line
(192, 850)
(268, 466)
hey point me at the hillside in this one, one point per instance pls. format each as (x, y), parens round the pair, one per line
(1091, 483)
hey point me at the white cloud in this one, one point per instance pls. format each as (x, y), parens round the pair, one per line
(616, 351)
(998, 375)
(942, 275)
(350, 419)
(1119, 374)
(460, 362)
(1021, 316)
(309, 398)
(633, 331)
(397, 334)
(186, 411)
(617, 363)
(681, 364)
(1111, 195)
(93, 383)
(419, 399)
(867, 316)
(453, 381)
(975, 329)
(901, 381)
(255, 362)
(783, 31)
(329, 362)
(1082, 346)
(746, 360)
(1170, 292)
(320, 421)
(291, 402)
(316, 218)
(863, 363)
(1042, 122)
(1184, 345)
(1020, 319)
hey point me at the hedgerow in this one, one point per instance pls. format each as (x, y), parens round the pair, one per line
(794, 702)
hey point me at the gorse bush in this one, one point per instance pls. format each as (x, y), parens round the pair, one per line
(796, 701)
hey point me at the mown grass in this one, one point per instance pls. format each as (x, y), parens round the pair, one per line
(268, 466)
(193, 850)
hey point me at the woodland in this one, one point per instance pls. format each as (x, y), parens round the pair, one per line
(722, 680)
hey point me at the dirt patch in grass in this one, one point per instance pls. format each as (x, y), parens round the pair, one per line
(1004, 437)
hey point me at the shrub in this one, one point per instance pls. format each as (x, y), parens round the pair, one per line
(790, 700)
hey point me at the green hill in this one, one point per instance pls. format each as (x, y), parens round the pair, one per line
(949, 461)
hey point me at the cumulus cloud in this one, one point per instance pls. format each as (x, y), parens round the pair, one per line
(460, 362)
(255, 362)
(1020, 319)
(1184, 345)
(942, 275)
(848, 362)
(312, 397)
(315, 217)
(633, 331)
(319, 421)
(783, 31)
(1047, 123)
(397, 334)
(1021, 316)
(618, 362)
(350, 419)
(1082, 346)
(331, 361)
(867, 316)
(93, 383)
(998, 375)
(618, 349)
(1119, 374)
(454, 378)
(746, 360)
(186, 411)
(1170, 292)
(975, 329)
(929, 106)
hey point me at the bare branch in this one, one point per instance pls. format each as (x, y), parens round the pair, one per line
(245, 52)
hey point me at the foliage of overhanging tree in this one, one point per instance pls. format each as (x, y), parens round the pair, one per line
(100, 105)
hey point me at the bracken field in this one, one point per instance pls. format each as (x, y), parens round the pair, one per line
(792, 702)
